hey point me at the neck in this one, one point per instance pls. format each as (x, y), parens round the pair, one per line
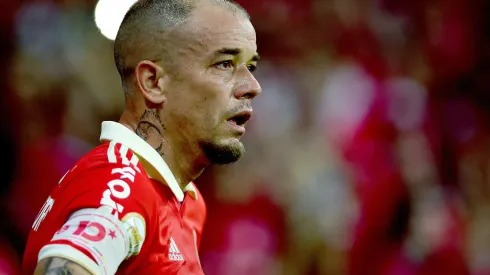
(185, 165)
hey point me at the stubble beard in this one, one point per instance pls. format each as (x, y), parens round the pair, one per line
(223, 153)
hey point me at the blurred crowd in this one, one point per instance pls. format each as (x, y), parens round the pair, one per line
(368, 154)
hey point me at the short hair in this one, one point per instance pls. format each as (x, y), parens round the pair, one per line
(146, 22)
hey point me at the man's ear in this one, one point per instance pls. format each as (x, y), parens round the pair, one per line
(150, 80)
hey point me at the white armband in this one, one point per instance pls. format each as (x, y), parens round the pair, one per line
(95, 231)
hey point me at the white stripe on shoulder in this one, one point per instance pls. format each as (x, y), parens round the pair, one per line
(134, 161)
(111, 154)
(123, 151)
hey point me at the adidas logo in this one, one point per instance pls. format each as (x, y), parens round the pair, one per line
(174, 253)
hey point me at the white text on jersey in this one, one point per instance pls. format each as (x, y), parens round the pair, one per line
(118, 188)
(42, 214)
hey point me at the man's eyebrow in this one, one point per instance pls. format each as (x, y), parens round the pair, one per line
(229, 51)
(235, 52)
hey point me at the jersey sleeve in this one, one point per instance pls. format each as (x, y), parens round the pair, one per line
(93, 238)
(105, 207)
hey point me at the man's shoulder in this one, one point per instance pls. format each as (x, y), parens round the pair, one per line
(97, 155)
(110, 154)
(108, 166)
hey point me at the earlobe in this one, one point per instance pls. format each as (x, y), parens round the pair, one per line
(150, 80)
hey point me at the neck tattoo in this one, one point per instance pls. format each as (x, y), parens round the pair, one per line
(150, 130)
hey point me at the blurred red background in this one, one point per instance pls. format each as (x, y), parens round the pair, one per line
(368, 154)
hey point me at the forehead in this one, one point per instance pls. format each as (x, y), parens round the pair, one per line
(215, 27)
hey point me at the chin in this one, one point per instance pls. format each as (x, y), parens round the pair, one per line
(225, 152)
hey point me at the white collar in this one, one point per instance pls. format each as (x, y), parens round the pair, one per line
(113, 131)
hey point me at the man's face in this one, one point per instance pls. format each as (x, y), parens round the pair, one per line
(211, 89)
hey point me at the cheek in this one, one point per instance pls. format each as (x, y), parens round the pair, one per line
(204, 99)
(210, 112)
(212, 102)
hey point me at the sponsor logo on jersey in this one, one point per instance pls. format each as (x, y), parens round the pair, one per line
(119, 188)
(174, 252)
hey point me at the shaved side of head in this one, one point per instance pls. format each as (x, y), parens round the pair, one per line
(146, 32)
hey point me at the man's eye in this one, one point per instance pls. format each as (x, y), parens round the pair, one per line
(252, 68)
(227, 64)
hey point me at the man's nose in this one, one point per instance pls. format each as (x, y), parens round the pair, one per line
(248, 87)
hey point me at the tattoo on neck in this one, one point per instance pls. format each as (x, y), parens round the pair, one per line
(149, 129)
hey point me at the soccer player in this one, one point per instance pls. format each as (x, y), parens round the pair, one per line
(129, 206)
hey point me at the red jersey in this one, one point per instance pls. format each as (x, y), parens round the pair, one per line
(119, 210)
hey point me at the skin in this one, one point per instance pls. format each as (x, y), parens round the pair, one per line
(182, 108)
(59, 266)
(179, 107)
